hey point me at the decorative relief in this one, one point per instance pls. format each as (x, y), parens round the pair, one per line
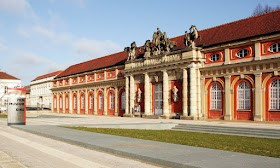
(155, 61)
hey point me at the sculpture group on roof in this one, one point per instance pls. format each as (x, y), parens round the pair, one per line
(160, 44)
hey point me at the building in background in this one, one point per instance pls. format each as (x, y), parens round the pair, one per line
(40, 93)
(7, 81)
(228, 72)
(27, 96)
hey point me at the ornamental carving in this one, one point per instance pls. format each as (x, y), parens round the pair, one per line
(160, 44)
(191, 37)
(131, 51)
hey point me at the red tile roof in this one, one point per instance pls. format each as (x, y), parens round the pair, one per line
(47, 75)
(268, 23)
(98, 63)
(4, 75)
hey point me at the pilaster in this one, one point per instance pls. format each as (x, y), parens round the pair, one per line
(165, 94)
(126, 95)
(185, 92)
(86, 100)
(147, 94)
(227, 99)
(258, 97)
(116, 101)
(105, 104)
(132, 94)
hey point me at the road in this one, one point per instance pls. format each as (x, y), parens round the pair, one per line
(21, 149)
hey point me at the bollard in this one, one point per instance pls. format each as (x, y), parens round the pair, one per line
(16, 106)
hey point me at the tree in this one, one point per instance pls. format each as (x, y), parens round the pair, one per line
(263, 9)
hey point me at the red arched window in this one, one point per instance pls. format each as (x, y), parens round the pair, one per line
(275, 95)
(244, 96)
(216, 97)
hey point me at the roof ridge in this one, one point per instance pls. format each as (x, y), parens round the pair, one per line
(247, 18)
(95, 59)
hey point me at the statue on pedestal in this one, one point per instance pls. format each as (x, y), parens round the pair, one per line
(175, 94)
(131, 51)
(139, 93)
(191, 37)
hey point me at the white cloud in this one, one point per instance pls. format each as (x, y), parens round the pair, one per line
(82, 46)
(17, 7)
(26, 59)
(95, 48)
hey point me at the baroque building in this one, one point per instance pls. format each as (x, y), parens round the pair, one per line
(228, 72)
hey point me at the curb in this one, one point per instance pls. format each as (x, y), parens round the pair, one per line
(145, 159)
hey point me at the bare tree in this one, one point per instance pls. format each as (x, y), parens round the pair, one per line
(264, 9)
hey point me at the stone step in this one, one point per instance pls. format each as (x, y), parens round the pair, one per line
(270, 133)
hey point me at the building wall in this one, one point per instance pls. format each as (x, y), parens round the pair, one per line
(40, 93)
(92, 93)
(7, 83)
(182, 83)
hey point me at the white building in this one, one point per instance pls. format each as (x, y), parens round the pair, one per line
(6, 81)
(40, 93)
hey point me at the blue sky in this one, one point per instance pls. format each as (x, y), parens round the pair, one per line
(41, 36)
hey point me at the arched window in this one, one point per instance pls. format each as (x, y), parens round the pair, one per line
(242, 53)
(75, 102)
(90, 101)
(123, 101)
(54, 102)
(66, 102)
(112, 100)
(274, 47)
(60, 102)
(275, 95)
(215, 57)
(83, 101)
(244, 96)
(100, 101)
(216, 97)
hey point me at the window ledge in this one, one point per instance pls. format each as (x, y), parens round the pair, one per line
(274, 110)
(243, 110)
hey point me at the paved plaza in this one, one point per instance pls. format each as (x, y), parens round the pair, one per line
(73, 148)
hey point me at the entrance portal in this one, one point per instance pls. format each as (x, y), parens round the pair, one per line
(158, 98)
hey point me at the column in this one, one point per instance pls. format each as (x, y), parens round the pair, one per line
(95, 102)
(57, 102)
(257, 51)
(147, 95)
(70, 102)
(165, 93)
(203, 96)
(258, 97)
(193, 92)
(86, 100)
(78, 102)
(63, 102)
(126, 95)
(227, 99)
(116, 101)
(52, 102)
(185, 92)
(198, 88)
(105, 106)
(132, 94)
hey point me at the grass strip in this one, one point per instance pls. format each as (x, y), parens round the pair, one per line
(250, 145)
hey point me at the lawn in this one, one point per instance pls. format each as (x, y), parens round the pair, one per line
(251, 145)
